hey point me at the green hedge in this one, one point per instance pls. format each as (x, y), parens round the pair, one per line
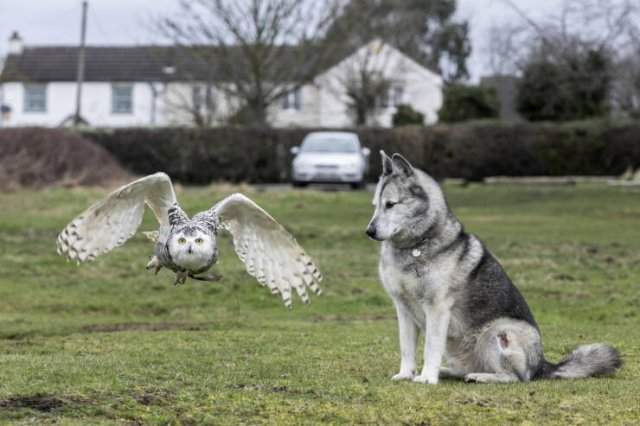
(470, 151)
(200, 156)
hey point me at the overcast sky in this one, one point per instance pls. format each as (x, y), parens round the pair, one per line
(127, 21)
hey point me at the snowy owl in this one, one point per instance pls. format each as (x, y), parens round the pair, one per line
(188, 246)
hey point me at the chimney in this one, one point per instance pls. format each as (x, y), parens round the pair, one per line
(15, 44)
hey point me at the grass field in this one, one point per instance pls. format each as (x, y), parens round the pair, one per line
(110, 343)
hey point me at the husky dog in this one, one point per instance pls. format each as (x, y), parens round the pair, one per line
(445, 283)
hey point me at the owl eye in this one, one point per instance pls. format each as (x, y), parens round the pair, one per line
(199, 241)
(182, 240)
(389, 204)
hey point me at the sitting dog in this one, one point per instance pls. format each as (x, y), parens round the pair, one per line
(445, 283)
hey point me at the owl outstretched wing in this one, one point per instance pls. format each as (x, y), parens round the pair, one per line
(269, 252)
(109, 223)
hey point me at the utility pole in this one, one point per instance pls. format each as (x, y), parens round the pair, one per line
(77, 119)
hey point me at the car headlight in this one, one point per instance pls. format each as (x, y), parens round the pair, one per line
(301, 165)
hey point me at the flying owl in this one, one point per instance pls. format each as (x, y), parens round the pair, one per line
(188, 246)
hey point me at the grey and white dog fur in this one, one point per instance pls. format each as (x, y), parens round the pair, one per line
(445, 283)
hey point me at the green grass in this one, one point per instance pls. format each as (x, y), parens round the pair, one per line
(110, 343)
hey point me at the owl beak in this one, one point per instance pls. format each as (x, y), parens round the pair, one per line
(190, 250)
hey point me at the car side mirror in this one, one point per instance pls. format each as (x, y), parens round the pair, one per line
(295, 150)
(366, 152)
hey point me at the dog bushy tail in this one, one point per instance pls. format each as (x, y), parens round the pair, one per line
(596, 359)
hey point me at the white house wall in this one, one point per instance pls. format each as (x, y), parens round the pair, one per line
(324, 103)
(307, 116)
(173, 110)
(178, 95)
(96, 105)
(177, 105)
(422, 88)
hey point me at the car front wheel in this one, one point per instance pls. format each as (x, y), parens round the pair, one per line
(358, 185)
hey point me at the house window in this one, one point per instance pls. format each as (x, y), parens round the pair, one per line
(35, 98)
(292, 100)
(391, 97)
(398, 95)
(384, 99)
(202, 98)
(122, 99)
(197, 97)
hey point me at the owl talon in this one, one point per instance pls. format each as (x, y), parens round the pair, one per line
(181, 277)
(153, 263)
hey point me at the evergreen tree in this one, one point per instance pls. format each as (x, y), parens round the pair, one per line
(423, 29)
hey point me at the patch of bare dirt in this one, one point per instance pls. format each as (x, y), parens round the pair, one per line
(144, 326)
(39, 402)
(155, 397)
(345, 318)
(275, 389)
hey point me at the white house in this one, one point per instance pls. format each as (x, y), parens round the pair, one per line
(146, 86)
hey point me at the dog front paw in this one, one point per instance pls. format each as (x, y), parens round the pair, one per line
(425, 379)
(403, 376)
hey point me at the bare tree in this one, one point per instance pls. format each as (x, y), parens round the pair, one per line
(428, 31)
(362, 83)
(425, 30)
(255, 51)
(361, 80)
(597, 24)
(626, 89)
(365, 90)
(503, 48)
(197, 101)
(580, 28)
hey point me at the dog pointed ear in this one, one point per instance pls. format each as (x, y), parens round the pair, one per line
(387, 164)
(401, 165)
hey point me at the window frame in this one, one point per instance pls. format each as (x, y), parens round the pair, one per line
(115, 110)
(28, 100)
(397, 95)
(197, 97)
(391, 97)
(202, 97)
(292, 100)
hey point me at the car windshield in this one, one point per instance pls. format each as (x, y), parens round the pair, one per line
(330, 144)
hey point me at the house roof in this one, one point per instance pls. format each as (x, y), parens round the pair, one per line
(385, 51)
(166, 63)
(142, 63)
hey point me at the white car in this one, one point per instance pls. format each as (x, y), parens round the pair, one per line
(330, 157)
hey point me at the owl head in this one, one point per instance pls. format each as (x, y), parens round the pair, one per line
(193, 248)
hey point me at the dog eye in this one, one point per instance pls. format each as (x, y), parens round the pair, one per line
(389, 204)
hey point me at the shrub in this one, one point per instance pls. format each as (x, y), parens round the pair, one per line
(405, 115)
(199, 156)
(463, 103)
(36, 157)
(39, 157)
(575, 88)
(470, 151)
